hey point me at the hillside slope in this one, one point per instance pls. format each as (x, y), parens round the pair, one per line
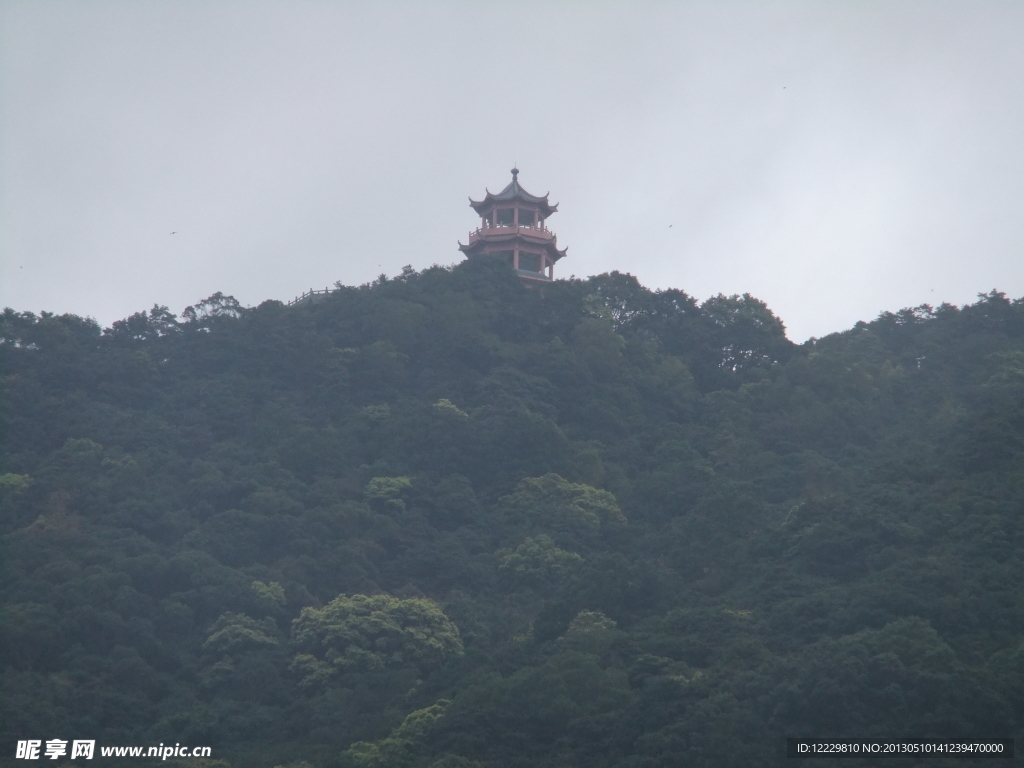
(445, 521)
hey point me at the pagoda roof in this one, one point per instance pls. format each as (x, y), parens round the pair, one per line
(480, 245)
(513, 192)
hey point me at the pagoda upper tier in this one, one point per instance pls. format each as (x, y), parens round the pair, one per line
(512, 227)
(514, 192)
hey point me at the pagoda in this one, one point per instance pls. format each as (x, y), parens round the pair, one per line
(512, 228)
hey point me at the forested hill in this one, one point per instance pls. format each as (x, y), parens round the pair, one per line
(444, 521)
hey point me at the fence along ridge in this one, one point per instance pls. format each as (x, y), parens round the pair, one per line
(308, 294)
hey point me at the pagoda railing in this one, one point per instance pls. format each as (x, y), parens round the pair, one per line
(541, 232)
(533, 275)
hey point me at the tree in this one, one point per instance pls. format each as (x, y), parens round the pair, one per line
(403, 744)
(539, 563)
(746, 333)
(551, 502)
(361, 633)
(211, 308)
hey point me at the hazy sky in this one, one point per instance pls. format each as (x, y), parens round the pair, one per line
(835, 159)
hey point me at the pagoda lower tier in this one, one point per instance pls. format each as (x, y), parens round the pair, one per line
(531, 251)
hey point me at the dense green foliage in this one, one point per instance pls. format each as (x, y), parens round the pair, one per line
(445, 521)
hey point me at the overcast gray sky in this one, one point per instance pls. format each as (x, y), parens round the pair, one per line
(835, 159)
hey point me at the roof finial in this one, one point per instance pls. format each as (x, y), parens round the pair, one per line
(515, 172)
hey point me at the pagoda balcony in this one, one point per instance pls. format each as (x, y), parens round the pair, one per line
(540, 233)
(530, 275)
